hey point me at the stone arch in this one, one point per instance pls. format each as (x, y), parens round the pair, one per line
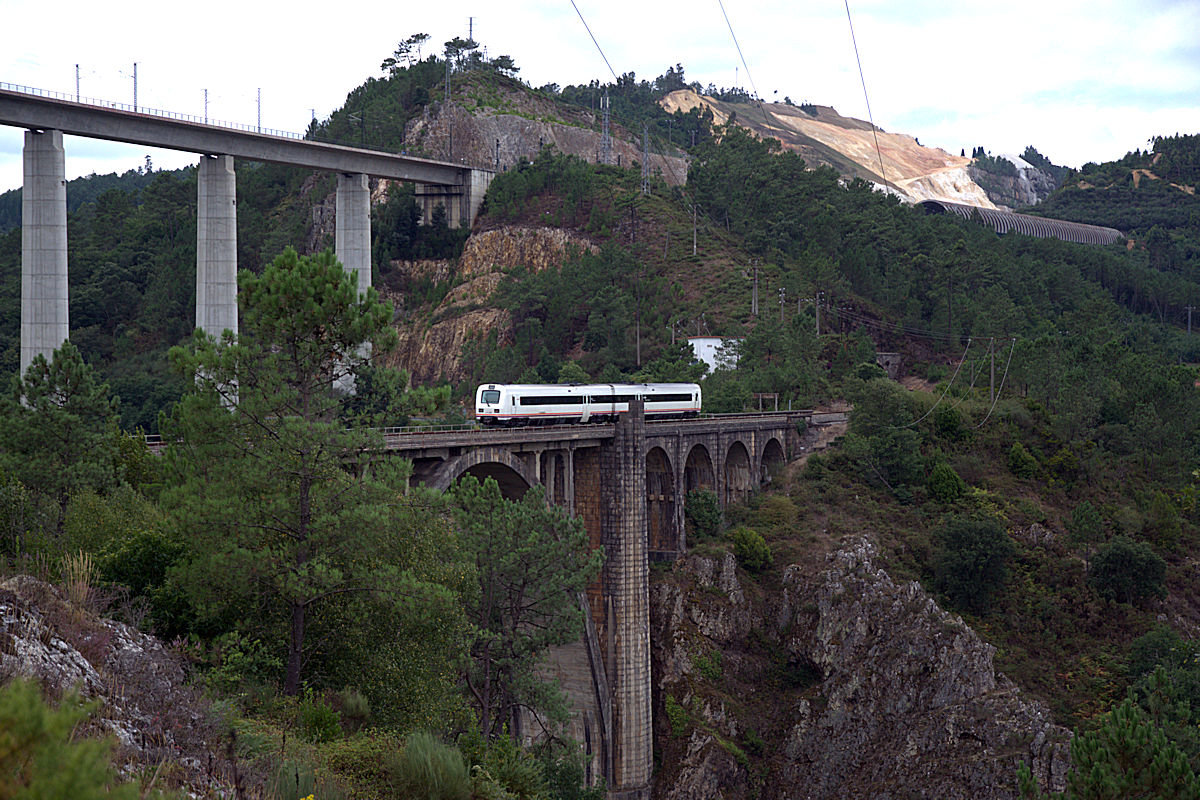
(739, 480)
(772, 459)
(512, 474)
(698, 472)
(660, 502)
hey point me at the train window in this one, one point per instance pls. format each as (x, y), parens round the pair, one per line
(552, 400)
(491, 397)
(670, 398)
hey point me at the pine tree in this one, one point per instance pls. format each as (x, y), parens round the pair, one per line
(59, 429)
(532, 562)
(1127, 758)
(288, 508)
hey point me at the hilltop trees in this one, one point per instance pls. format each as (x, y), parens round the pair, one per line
(280, 499)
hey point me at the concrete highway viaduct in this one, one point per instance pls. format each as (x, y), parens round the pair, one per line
(628, 482)
(44, 323)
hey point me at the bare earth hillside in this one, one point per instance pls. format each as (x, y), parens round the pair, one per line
(822, 136)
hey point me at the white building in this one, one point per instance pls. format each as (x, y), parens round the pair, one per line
(714, 351)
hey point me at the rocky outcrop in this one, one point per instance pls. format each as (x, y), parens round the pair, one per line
(431, 352)
(139, 685)
(1027, 187)
(495, 128)
(838, 684)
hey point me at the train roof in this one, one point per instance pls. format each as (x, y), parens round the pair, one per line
(534, 387)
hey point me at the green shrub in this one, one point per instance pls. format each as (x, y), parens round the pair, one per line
(318, 721)
(945, 485)
(427, 769)
(1126, 571)
(703, 514)
(237, 662)
(677, 716)
(709, 665)
(970, 562)
(752, 551)
(816, 467)
(1020, 462)
(40, 757)
(947, 423)
(755, 745)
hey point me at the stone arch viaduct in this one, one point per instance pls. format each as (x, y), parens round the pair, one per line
(627, 482)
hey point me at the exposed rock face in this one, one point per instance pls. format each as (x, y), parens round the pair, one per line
(432, 352)
(144, 700)
(901, 699)
(472, 132)
(1029, 187)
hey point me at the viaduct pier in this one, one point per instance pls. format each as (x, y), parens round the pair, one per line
(44, 291)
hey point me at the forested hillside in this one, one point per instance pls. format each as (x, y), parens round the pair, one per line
(1034, 464)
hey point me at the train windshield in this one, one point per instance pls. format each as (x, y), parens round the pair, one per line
(490, 397)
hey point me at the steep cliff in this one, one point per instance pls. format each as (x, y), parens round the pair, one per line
(1023, 185)
(431, 342)
(834, 683)
(496, 125)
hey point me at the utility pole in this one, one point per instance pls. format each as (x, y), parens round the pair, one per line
(992, 354)
(259, 109)
(645, 158)
(206, 106)
(605, 134)
(135, 86)
(446, 111)
(782, 296)
(693, 227)
(754, 291)
(76, 83)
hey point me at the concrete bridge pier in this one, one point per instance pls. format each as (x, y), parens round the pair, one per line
(216, 246)
(626, 580)
(352, 235)
(44, 323)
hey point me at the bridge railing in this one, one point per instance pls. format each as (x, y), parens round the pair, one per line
(153, 112)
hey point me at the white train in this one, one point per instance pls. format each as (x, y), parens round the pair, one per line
(537, 404)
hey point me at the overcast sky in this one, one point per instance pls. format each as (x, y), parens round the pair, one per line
(1081, 81)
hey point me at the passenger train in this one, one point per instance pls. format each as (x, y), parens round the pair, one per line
(533, 404)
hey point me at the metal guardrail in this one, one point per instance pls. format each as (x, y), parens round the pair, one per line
(153, 112)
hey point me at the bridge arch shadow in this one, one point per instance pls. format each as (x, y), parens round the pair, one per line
(660, 503)
(739, 481)
(772, 459)
(510, 473)
(698, 470)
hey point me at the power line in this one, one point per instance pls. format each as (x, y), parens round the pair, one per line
(738, 46)
(861, 77)
(589, 30)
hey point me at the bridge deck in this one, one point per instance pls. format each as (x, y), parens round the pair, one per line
(24, 110)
